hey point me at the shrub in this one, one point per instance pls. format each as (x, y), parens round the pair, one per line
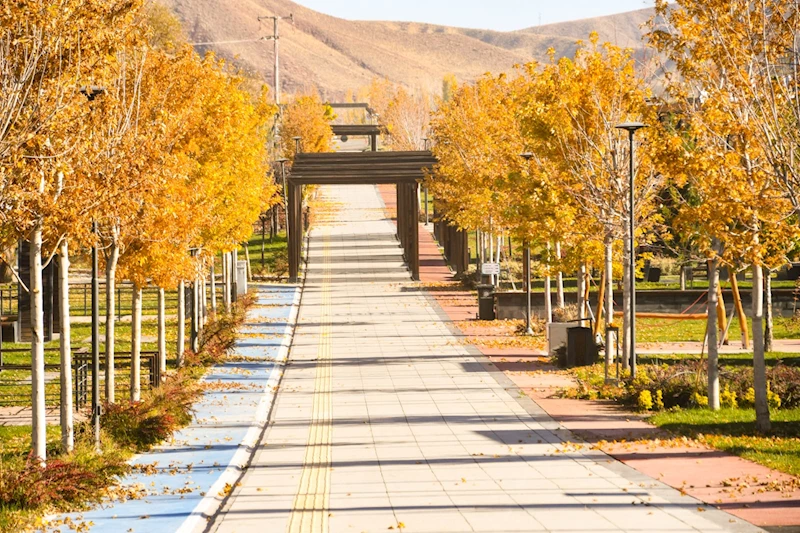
(727, 398)
(659, 400)
(568, 313)
(645, 400)
(161, 412)
(64, 482)
(700, 400)
(773, 399)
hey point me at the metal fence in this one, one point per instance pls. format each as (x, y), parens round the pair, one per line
(15, 379)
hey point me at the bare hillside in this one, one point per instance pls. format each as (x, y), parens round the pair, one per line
(335, 55)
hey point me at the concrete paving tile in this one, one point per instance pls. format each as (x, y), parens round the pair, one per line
(420, 432)
(490, 521)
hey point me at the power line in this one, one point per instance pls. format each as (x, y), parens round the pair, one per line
(260, 39)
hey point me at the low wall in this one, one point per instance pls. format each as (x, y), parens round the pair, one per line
(511, 305)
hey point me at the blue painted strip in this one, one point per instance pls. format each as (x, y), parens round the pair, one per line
(176, 477)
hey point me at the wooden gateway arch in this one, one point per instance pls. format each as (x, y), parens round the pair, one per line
(404, 169)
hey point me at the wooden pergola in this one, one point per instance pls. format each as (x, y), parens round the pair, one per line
(403, 169)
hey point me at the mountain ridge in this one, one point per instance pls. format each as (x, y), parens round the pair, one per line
(334, 55)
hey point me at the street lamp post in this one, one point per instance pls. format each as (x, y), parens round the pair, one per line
(527, 270)
(95, 344)
(91, 93)
(632, 128)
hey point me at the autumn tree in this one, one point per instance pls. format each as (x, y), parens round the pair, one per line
(574, 125)
(50, 50)
(307, 117)
(739, 60)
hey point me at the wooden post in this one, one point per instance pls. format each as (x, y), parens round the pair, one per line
(295, 234)
(722, 317)
(414, 223)
(600, 301)
(737, 303)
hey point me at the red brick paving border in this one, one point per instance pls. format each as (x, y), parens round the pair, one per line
(726, 481)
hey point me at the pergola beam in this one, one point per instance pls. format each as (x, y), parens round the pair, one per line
(404, 169)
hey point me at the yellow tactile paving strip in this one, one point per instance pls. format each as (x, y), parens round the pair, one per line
(312, 501)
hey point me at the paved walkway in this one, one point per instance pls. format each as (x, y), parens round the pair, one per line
(385, 422)
(177, 485)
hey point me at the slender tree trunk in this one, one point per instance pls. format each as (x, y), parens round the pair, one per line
(581, 293)
(609, 279)
(559, 279)
(609, 269)
(683, 277)
(226, 282)
(235, 275)
(548, 291)
(194, 344)
(768, 323)
(712, 329)
(136, 344)
(759, 364)
(627, 348)
(111, 276)
(181, 322)
(247, 262)
(737, 302)
(162, 332)
(213, 289)
(65, 345)
(39, 421)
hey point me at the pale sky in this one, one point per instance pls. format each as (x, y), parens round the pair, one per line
(504, 15)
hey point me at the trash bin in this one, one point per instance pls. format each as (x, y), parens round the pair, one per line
(581, 347)
(654, 275)
(486, 302)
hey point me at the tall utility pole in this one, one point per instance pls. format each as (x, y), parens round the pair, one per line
(275, 39)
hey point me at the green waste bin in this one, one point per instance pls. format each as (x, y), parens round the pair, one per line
(486, 302)
(581, 347)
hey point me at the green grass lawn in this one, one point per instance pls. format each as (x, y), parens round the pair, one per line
(275, 262)
(665, 330)
(15, 391)
(733, 431)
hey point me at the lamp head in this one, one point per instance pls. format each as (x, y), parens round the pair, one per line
(526, 156)
(93, 91)
(630, 127)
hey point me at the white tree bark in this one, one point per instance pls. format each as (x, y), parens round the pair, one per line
(247, 261)
(609, 268)
(235, 274)
(759, 364)
(581, 300)
(181, 322)
(626, 307)
(136, 344)
(204, 297)
(65, 346)
(713, 341)
(162, 332)
(548, 291)
(769, 334)
(111, 276)
(559, 279)
(213, 289)
(226, 281)
(39, 421)
(609, 303)
(195, 315)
